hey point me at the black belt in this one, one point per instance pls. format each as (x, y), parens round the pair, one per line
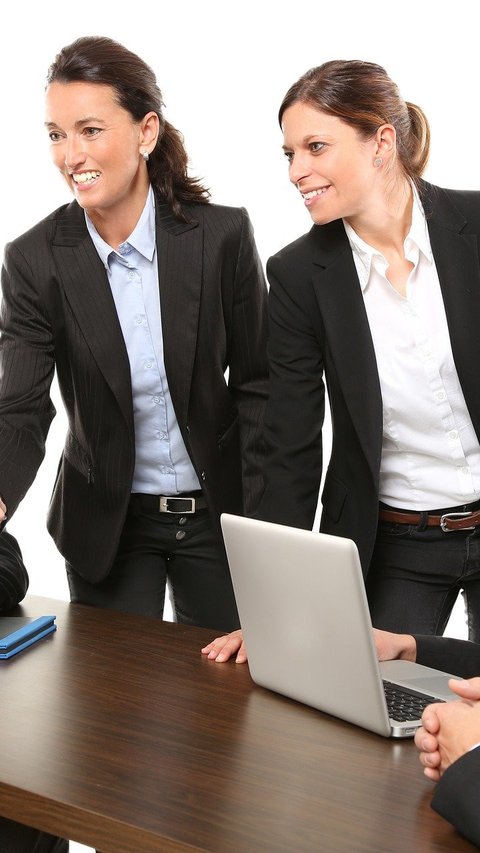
(177, 504)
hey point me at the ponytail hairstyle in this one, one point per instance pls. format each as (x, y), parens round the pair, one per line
(96, 59)
(362, 95)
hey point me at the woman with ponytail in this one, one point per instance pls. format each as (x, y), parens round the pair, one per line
(143, 297)
(380, 302)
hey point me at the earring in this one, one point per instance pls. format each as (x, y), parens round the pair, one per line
(378, 161)
(146, 156)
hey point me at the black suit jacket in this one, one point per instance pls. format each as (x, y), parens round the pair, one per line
(319, 333)
(460, 657)
(456, 795)
(13, 574)
(58, 312)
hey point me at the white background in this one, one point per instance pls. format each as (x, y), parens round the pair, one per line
(223, 68)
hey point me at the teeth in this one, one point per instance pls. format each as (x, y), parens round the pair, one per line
(313, 193)
(83, 177)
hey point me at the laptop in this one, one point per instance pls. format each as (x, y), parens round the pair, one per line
(307, 628)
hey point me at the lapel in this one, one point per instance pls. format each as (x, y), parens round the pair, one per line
(179, 252)
(88, 293)
(457, 260)
(348, 337)
(180, 269)
(338, 293)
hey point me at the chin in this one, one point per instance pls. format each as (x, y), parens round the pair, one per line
(323, 219)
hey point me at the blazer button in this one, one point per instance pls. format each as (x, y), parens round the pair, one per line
(203, 476)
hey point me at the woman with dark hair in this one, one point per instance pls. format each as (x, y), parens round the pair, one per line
(142, 296)
(380, 301)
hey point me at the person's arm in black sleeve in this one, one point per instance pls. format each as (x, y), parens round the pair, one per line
(13, 574)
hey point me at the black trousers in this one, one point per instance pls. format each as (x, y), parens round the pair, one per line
(157, 550)
(16, 838)
(416, 575)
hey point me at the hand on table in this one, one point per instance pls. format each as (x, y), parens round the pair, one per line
(223, 648)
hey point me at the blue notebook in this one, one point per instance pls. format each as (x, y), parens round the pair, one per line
(19, 632)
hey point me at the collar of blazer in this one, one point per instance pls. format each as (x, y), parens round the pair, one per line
(453, 220)
(88, 293)
(70, 228)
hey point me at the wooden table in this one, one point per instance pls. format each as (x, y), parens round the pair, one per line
(118, 734)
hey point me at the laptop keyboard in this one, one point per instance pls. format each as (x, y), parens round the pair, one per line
(404, 704)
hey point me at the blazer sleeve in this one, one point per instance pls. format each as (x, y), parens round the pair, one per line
(296, 407)
(13, 574)
(248, 366)
(459, 657)
(456, 796)
(26, 372)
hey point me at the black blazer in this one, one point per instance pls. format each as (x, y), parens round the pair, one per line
(456, 795)
(461, 657)
(319, 332)
(13, 574)
(58, 312)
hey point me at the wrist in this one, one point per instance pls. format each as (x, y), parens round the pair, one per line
(408, 648)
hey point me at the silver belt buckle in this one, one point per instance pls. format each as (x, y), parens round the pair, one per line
(454, 515)
(164, 505)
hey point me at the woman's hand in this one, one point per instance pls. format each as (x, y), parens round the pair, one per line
(223, 648)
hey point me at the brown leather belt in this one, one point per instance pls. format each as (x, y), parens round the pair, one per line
(449, 522)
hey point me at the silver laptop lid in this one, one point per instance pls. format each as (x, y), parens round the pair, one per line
(304, 613)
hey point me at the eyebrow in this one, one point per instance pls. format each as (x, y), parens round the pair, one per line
(319, 137)
(79, 123)
(307, 138)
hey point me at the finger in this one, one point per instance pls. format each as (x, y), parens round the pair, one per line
(233, 646)
(467, 689)
(212, 645)
(430, 720)
(430, 759)
(432, 773)
(425, 741)
(242, 655)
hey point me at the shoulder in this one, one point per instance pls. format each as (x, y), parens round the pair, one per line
(299, 248)
(218, 215)
(463, 203)
(320, 245)
(44, 231)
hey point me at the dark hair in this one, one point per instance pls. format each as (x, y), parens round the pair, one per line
(95, 59)
(363, 95)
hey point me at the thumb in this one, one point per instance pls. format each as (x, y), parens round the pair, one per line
(467, 689)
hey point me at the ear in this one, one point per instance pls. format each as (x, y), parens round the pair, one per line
(385, 141)
(149, 128)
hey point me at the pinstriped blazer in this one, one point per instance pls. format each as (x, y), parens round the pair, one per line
(58, 313)
(319, 334)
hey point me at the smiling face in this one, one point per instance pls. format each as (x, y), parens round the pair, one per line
(97, 147)
(330, 164)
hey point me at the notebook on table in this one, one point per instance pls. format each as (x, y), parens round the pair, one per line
(307, 628)
(19, 632)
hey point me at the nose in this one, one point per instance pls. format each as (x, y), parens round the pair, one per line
(299, 169)
(74, 153)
